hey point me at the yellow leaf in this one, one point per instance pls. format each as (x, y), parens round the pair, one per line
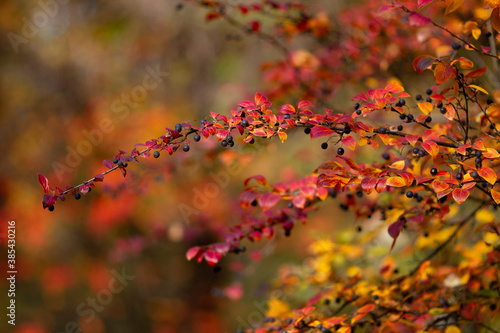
(398, 165)
(452, 329)
(485, 216)
(478, 88)
(282, 136)
(496, 196)
(276, 307)
(396, 182)
(425, 107)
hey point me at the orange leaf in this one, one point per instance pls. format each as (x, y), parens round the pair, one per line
(476, 73)
(488, 174)
(450, 112)
(439, 186)
(479, 145)
(491, 153)
(399, 165)
(349, 142)
(431, 147)
(443, 72)
(462, 150)
(282, 136)
(430, 134)
(460, 195)
(412, 139)
(463, 62)
(385, 138)
(395, 182)
(495, 19)
(496, 196)
(425, 107)
(363, 311)
(454, 5)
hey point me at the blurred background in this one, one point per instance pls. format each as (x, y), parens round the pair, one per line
(74, 72)
(82, 79)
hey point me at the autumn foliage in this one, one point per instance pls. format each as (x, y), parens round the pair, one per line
(404, 99)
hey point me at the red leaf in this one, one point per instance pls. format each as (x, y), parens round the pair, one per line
(212, 257)
(304, 104)
(421, 63)
(268, 200)
(212, 16)
(460, 195)
(422, 3)
(349, 142)
(259, 178)
(246, 198)
(395, 228)
(477, 73)
(488, 174)
(192, 252)
(44, 182)
(48, 200)
(268, 231)
(108, 164)
(368, 183)
(431, 147)
(319, 131)
(260, 99)
(222, 248)
(287, 108)
(418, 20)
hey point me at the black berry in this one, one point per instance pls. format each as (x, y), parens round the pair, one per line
(474, 174)
(229, 137)
(78, 195)
(459, 176)
(356, 106)
(415, 151)
(223, 143)
(340, 151)
(156, 154)
(409, 194)
(428, 119)
(115, 161)
(386, 156)
(428, 91)
(410, 117)
(421, 153)
(400, 128)
(185, 148)
(307, 130)
(244, 123)
(196, 137)
(358, 112)
(442, 110)
(418, 97)
(428, 99)
(489, 101)
(178, 127)
(402, 116)
(51, 208)
(402, 102)
(456, 46)
(290, 205)
(230, 143)
(488, 34)
(382, 130)
(478, 153)
(434, 171)
(287, 116)
(252, 141)
(324, 145)
(347, 129)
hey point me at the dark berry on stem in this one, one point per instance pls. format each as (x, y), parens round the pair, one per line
(324, 145)
(456, 46)
(428, 99)
(428, 119)
(434, 171)
(290, 205)
(415, 150)
(459, 176)
(356, 106)
(178, 127)
(223, 143)
(474, 174)
(428, 91)
(442, 110)
(358, 112)
(229, 138)
(185, 148)
(386, 156)
(418, 97)
(196, 137)
(307, 130)
(156, 154)
(440, 104)
(252, 141)
(488, 34)
(347, 129)
(244, 123)
(340, 151)
(78, 195)
(478, 153)
(400, 128)
(402, 116)
(287, 116)
(402, 101)
(421, 153)
(115, 161)
(51, 208)
(410, 117)
(203, 121)
(230, 143)
(409, 194)
(382, 130)
(489, 101)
